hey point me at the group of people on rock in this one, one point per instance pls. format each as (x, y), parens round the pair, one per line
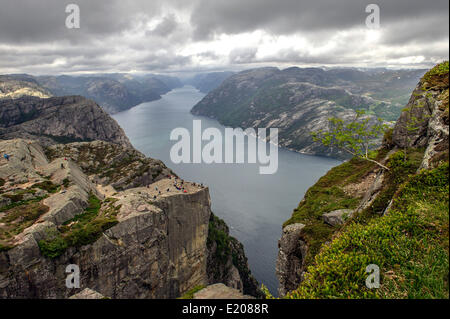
(178, 184)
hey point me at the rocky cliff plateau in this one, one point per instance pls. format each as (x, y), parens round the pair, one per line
(133, 235)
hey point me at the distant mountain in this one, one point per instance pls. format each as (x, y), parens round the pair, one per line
(206, 82)
(115, 92)
(300, 100)
(16, 86)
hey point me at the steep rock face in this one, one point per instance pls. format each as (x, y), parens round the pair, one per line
(292, 250)
(226, 262)
(411, 128)
(363, 189)
(425, 121)
(299, 101)
(58, 119)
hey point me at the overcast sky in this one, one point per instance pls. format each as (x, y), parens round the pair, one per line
(183, 36)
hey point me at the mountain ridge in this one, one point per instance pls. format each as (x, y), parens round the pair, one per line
(114, 92)
(298, 101)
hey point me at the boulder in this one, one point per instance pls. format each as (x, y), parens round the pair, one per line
(88, 294)
(337, 217)
(220, 291)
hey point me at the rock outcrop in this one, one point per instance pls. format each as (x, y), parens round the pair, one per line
(220, 291)
(58, 120)
(87, 294)
(425, 121)
(337, 217)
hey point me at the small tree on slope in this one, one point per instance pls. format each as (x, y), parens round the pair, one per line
(356, 137)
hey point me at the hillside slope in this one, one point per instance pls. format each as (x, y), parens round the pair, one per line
(206, 82)
(298, 101)
(113, 92)
(358, 214)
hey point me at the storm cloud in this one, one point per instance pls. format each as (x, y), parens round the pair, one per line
(175, 36)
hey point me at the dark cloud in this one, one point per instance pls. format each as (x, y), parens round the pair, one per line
(182, 36)
(165, 27)
(290, 16)
(428, 29)
(25, 21)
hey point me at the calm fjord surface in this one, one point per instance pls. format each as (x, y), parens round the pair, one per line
(253, 205)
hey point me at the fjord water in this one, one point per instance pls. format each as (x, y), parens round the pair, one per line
(253, 205)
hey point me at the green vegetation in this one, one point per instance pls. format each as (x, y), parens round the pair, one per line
(66, 182)
(327, 195)
(356, 137)
(218, 234)
(190, 293)
(410, 245)
(18, 216)
(225, 248)
(23, 211)
(47, 186)
(17, 198)
(54, 245)
(437, 77)
(81, 230)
